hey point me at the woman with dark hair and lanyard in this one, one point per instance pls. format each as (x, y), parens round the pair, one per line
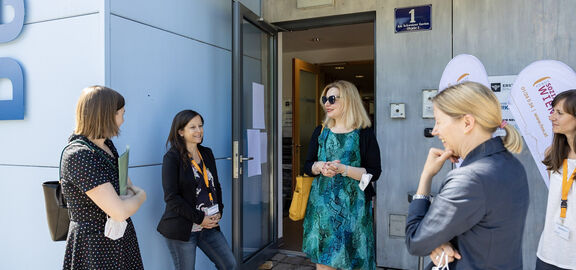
(193, 197)
(557, 243)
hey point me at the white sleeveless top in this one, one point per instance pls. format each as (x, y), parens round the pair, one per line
(552, 248)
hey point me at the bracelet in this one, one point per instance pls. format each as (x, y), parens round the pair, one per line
(345, 173)
(420, 197)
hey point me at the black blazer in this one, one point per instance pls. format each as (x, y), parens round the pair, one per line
(180, 194)
(369, 156)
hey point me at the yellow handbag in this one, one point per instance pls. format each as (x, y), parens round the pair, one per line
(300, 197)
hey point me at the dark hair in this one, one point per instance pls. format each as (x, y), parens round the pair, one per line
(96, 112)
(560, 148)
(174, 139)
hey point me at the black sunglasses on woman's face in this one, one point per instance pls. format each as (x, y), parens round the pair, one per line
(331, 99)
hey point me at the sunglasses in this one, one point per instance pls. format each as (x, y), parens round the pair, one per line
(331, 99)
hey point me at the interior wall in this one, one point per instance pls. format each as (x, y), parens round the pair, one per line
(318, 57)
(60, 51)
(165, 59)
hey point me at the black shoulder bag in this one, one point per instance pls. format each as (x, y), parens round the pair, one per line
(56, 207)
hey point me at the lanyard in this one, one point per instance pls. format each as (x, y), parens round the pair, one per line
(203, 172)
(566, 185)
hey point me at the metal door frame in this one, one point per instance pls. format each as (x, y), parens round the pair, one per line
(241, 13)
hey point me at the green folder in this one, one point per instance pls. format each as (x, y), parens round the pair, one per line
(123, 170)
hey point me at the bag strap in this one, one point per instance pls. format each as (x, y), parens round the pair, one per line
(82, 142)
(59, 198)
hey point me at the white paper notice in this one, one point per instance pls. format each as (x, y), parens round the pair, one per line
(258, 106)
(263, 147)
(254, 165)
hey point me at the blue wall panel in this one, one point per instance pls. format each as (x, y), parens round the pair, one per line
(209, 21)
(59, 58)
(42, 10)
(160, 73)
(24, 238)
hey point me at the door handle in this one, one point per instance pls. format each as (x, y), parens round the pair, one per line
(230, 158)
(245, 158)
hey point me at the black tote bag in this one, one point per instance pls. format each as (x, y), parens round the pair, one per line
(56, 210)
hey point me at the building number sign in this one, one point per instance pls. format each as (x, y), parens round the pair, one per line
(413, 19)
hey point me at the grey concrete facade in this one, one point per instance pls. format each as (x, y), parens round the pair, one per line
(505, 35)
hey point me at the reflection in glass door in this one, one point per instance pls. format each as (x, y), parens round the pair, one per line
(254, 137)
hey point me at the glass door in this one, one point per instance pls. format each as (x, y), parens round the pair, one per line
(254, 137)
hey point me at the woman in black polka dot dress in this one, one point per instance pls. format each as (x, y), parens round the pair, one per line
(90, 186)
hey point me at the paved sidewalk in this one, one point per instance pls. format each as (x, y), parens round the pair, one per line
(288, 260)
(293, 260)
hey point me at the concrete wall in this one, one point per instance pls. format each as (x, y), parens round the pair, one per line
(505, 35)
(285, 10)
(515, 34)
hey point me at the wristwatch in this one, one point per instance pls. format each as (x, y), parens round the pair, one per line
(420, 197)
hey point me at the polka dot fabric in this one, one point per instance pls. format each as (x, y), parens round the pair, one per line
(86, 246)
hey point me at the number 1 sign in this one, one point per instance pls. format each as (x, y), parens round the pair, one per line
(413, 19)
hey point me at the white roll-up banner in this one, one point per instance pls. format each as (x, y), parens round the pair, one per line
(461, 68)
(531, 104)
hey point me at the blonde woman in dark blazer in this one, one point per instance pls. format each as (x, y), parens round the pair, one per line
(476, 221)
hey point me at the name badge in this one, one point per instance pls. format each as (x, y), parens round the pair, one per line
(562, 231)
(212, 210)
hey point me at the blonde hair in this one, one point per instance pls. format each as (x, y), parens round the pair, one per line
(479, 101)
(353, 113)
(96, 112)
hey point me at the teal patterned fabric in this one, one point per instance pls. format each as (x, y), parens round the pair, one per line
(338, 222)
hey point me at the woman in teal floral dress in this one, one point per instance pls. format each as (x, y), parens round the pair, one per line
(338, 224)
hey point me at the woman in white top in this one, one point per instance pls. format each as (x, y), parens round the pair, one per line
(557, 247)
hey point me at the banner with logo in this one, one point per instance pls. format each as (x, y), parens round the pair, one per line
(501, 86)
(531, 103)
(461, 68)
